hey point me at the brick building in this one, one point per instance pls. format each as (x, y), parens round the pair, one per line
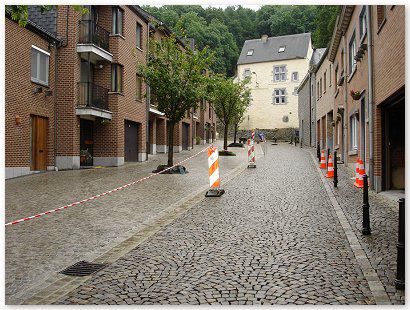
(307, 101)
(86, 105)
(366, 55)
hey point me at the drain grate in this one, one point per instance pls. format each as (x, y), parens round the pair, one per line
(82, 269)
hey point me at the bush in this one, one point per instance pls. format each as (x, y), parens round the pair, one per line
(198, 140)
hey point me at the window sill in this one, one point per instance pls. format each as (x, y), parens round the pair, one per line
(40, 83)
(337, 147)
(138, 48)
(352, 74)
(138, 100)
(115, 93)
(352, 152)
(114, 35)
(381, 26)
(336, 93)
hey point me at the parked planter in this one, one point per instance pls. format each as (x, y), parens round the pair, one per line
(356, 95)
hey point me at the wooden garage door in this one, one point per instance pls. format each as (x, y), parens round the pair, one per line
(39, 127)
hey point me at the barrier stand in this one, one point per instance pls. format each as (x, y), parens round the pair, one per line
(214, 180)
(400, 275)
(251, 151)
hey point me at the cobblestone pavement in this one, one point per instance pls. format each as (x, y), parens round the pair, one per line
(36, 250)
(272, 238)
(380, 246)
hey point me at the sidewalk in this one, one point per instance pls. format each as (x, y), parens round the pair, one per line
(38, 249)
(380, 246)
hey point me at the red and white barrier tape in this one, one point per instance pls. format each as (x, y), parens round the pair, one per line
(102, 194)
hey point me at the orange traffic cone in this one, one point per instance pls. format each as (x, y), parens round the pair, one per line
(361, 173)
(356, 183)
(330, 171)
(322, 160)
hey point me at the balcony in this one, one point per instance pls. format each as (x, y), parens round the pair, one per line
(93, 42)
(92, 101)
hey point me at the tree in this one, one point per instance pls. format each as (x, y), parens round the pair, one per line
(325, 20)
(175, 77)
(240, 110)
(227, 98)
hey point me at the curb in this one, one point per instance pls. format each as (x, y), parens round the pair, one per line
(376, 287)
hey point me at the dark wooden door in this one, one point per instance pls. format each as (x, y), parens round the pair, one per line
(130, 141)
(185, 136)
(39, 127)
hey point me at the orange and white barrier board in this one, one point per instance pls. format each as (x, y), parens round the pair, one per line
(322, 160)
(251, 151)
(214, 178)
(330, 169)
(361, 172)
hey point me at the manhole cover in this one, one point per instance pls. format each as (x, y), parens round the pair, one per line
(82, 268)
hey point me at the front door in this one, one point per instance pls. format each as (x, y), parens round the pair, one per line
(86, 142)
(39, 127)
(130, 141)
(185, 136)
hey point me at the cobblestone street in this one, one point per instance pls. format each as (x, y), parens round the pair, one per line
(273, 238)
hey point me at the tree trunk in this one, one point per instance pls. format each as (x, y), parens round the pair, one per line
(171, 143)
(226, 137)
(235, 133)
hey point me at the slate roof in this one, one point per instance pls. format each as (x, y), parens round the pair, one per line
(317, 55)
(296, 47)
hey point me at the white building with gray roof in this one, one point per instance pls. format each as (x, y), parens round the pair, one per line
(276, 66)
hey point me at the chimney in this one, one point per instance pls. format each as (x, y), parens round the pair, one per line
(264, 38)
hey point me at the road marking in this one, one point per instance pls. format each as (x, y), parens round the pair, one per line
(372, 278)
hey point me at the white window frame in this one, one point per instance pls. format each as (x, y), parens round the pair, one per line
(279, 73)
(297, 76)
(352, 53)
(354, 126)
(245, 71)
(36, 79)
(362, 23)
(250, 52)
(279, 96)
(282, 49)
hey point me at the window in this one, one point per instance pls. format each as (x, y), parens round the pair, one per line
(116, 78)
(317, 91)
(139, 88)
(117, 17)
(210, 111)
(279, 96)
(282, 49)
(336, 72)
(320, 85)
(362, 22)
(39, 65)
(324, 82)
(250, 53)
(381, 15)
(139, 36)
(295, 76)
(247, 73)
(354, 121)
(295, 91)
(342, 62)
(279, 73)
(352, 53)
(330, 75)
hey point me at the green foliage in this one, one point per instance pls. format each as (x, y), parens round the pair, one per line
(225, 31)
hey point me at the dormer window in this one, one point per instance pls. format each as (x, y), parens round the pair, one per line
(282, 49)
(250, 53)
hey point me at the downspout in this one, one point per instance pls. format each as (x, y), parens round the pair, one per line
(147, 100)
(310, 110)
(345, 114)
(370, 88)
(55, 103)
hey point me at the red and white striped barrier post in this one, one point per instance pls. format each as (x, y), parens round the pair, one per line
(251, 151)
(214, 179)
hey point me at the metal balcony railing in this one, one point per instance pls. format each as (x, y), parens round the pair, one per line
(92, 95)
(91, 33)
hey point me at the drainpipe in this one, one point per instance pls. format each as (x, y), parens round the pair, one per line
(345, 114)
(310, 110)
(147, 100)
(370, 88)
(55, 103)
